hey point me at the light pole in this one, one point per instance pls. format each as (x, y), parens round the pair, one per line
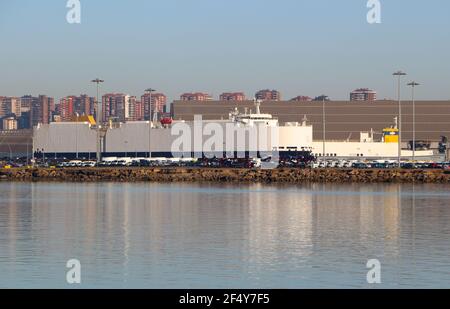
(33, 158)
(324, 128)
(28, 157)
(413, 85)
(76, 134)
(99, 150)
(10, 153)
(149, 92)
(399, 74)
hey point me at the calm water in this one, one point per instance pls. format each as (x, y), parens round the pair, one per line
(223, 236)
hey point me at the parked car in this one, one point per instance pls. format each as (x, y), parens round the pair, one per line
(408, 165)
(89, 164)
(379, 165)
(360, 165)
(446, 168)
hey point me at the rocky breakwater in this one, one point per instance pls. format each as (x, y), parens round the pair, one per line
(226, 175)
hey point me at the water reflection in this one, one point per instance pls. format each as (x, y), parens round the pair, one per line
(203, 235)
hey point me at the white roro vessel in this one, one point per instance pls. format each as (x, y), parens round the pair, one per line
(138, 139)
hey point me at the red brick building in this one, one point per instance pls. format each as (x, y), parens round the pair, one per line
(72, 105)
(232, 96)
(109, 105)
(85, 105)
(41, 109)
(268, 95)
(197, 96)
(158, 104)
(139, 111)
(66, 108)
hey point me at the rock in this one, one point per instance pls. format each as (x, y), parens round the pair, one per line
(226, 175)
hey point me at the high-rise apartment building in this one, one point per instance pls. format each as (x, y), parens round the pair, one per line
(66, 108)
(363, 94)
(41, 109)
(197, 96)
(121, 102)
(268, 95)
(139, 111)
(9, 106)
(109, 106)
(119, 107)
(70, 106)
(10, 123)
(85, 105)
(130, 108)
(3, 108)
(157, 104)
(26, 103)
(232, 96)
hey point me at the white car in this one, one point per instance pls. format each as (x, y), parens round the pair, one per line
(257, 162)
(315, 165)
(331, 164)
(89, 164)
(74, 163)
(340, 164)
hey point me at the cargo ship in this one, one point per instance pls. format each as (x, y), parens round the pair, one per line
(245, 134)
(231, 137)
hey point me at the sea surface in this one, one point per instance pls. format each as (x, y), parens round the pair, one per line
(147, 235)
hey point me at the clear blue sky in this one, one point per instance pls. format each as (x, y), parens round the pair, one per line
(305, 47)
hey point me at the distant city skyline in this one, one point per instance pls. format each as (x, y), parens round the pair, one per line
(175, 46)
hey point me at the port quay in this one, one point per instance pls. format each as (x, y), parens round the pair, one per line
(251, 145)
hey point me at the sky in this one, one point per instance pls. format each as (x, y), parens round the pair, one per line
(299, 47)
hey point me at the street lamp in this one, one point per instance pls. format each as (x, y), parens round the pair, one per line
(399, 74)
(324, 127)
(99, 150)
(149, 92)
(10, 153)
(76, 134)
(413, 85)
(28, 157)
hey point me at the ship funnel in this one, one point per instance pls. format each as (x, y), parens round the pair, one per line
(304, 121)
(258, 107)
